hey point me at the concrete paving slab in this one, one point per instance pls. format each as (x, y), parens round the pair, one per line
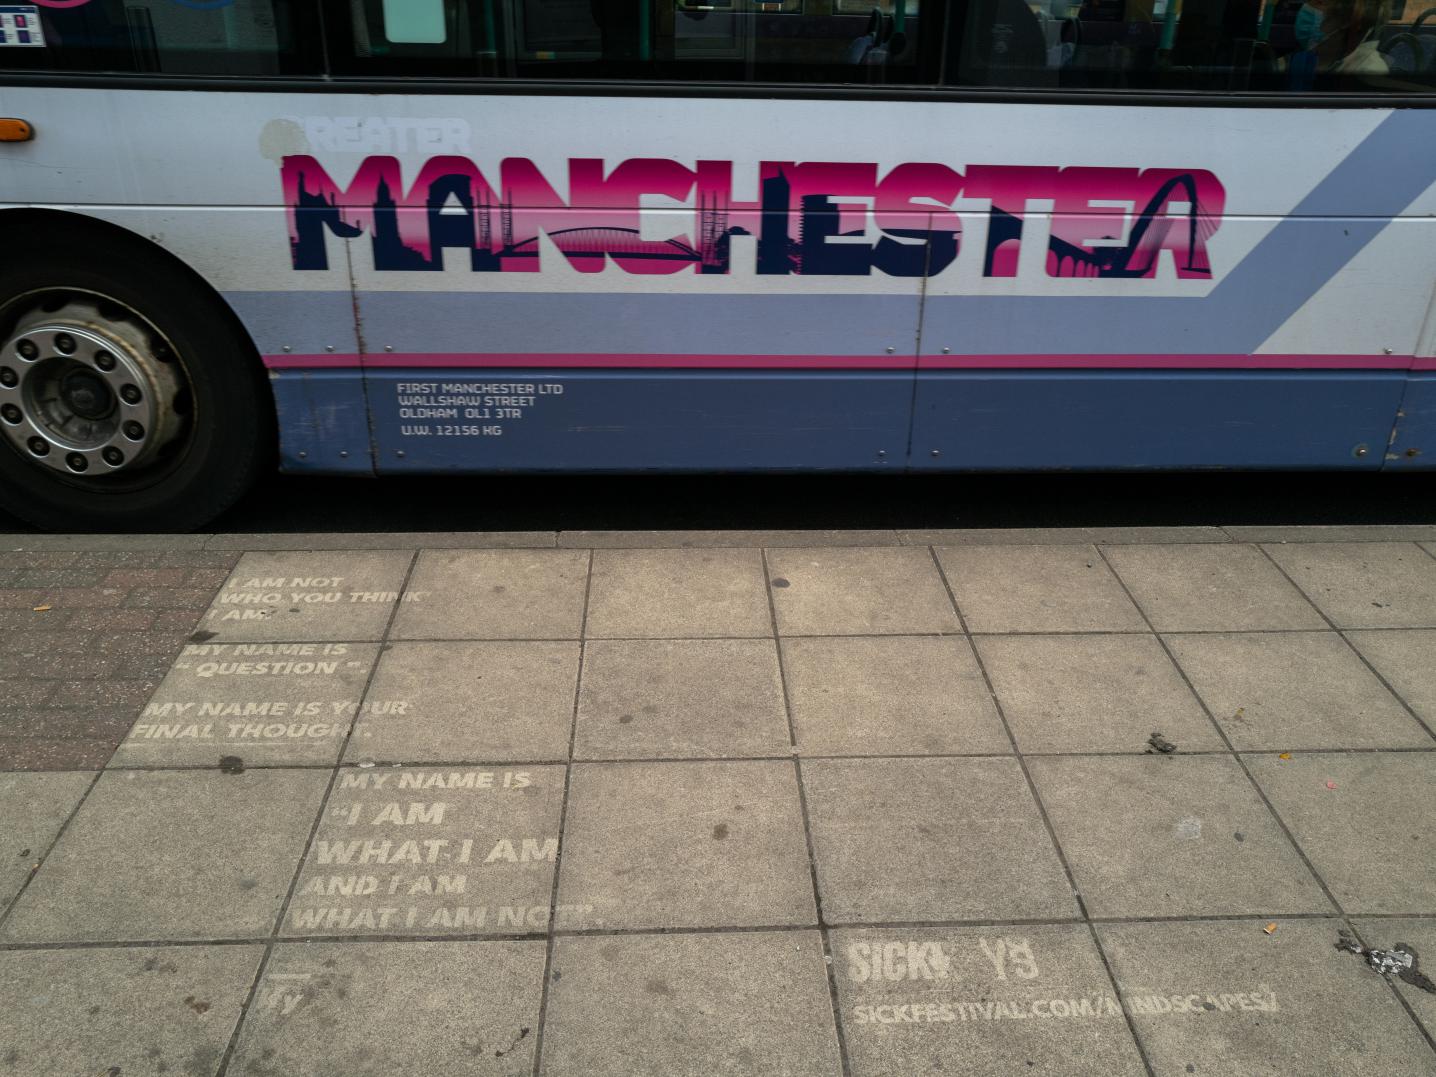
(302, 597)
(1364, 821)
(690, 1005)
(1171, 836)
(1029, 999)
(697, 845)
(495, 594)
(1227, 998)
(33, 808)
(121, 1011)
(881, 591)
(1283, 690)
(482, 702)
(381, 540)
(1189, 588)
(675, 699)
(893, 695)
(1418, 936)
(1093, 693)
(1037, 589)
(638, 540)
(264, 703)
(1057, 536)
(344, 1009)
(1364, 584)
(931, 839)
(677, 594)
(172, 855)
(432, 851)
(1407, 659)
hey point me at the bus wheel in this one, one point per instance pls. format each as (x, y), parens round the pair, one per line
(128, 399)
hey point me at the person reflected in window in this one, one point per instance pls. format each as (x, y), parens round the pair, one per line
(1349, 42)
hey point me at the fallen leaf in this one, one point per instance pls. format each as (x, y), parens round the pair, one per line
(1270, 929)
(1284, 755)
(42, 609)
(1331, 785)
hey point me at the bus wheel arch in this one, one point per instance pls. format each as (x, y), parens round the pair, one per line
(131, 396)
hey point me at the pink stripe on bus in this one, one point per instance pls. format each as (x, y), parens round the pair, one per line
(511, 360)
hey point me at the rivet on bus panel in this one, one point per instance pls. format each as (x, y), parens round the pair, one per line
(329, 347)
(946, 351)
(891, 349)
(1386, 350)
(287, 349)
(936, 452)
(1360, 450)
(399, 453)
(388, 347)
(344, 454)
(12, 130)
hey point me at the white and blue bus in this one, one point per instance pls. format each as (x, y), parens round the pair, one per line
(386, 236)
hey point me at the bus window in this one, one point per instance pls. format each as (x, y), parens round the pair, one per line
(813, 41)
(1366, 46)
(168, 37)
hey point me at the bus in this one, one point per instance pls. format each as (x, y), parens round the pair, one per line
(365, 237)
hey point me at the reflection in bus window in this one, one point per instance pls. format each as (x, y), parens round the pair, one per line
(823, 41)
(244, 37)
(1284, 45)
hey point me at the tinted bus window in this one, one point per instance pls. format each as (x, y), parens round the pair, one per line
(1295, 46)
(166, 37)
(827, 41)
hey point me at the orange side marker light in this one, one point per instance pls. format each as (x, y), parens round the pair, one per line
(12, 130)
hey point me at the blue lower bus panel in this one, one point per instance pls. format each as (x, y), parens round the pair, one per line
(323, 421)
(524, 420)
(1414, 446)
(1029, 420)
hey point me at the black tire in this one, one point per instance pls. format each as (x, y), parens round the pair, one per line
(229, 433)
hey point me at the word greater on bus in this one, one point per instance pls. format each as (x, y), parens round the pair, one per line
(809, 218)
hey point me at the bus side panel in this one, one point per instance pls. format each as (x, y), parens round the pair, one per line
(1413, 447)
(636, 380)
(323, 421)
(570, 420)
(1013, 420)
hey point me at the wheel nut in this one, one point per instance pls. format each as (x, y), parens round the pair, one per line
(130, 394)
(113, 456)
(133, 430)
(39, 446)
(64, 343)
(8, 377)
(10, 413)
(76, 462)
(28, 350)
(104, 360)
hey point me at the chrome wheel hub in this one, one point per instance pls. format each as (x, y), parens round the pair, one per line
(88, 389)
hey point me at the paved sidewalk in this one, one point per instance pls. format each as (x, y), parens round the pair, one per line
(831, 803)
